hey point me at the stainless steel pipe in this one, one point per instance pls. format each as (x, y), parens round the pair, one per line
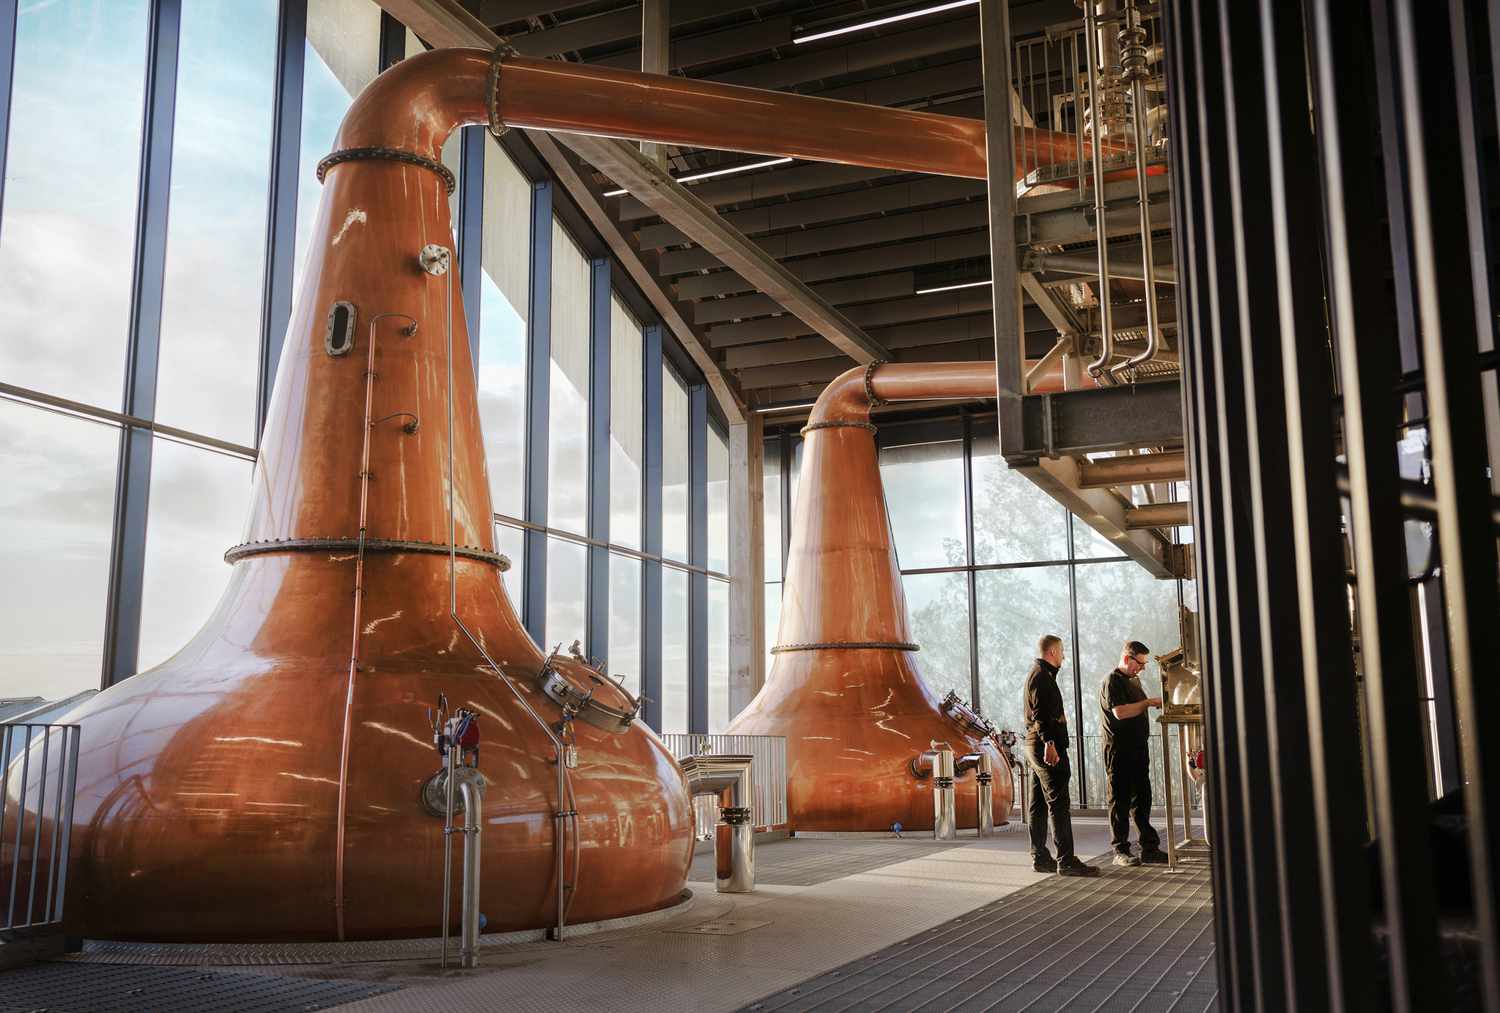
(1134, 69)
(937, 761)
(1100, 365)
(471, 785)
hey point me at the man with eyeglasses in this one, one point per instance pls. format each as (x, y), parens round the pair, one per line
(1127, 757)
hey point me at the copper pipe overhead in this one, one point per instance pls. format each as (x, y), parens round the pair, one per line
(553, 95)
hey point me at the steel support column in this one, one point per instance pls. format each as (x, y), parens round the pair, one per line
(651, 454)
(281, 212)
(1442, 161)
(600, 345)
(698, 557)
(747, 577)
(470, 226)
(133, 481)
(1000, 142)
(538, 403)
(8, 26)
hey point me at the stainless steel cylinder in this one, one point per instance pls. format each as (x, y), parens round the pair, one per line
(944, 812)
(470, 786)
(985, 780)
(734, 851)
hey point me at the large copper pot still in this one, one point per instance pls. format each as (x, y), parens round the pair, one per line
(264, 782)
(846, 686)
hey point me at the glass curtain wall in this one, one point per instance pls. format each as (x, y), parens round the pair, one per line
(71, 617)
(995, 562)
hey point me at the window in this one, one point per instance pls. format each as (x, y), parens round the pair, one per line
(511, 542)
(567, 593)
(938, 604)
(58, 502)
(626, 433)
(198, 504)
(675, 650)
(568, 412)
(771, 488)
(773, 621)
(216, 233)
(674, 466)
(67, 241)
(718, 501)
(718, 655)
(1014, 521)
(1116, 602)
(1016, 607)
(503, 301)
(771, 479)
(625, 620)
(342, 55)
(924, 492)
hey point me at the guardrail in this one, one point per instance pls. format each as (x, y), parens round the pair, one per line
(767, 769)
(38, 776)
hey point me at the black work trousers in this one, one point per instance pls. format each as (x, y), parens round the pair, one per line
(1127, 770)
(1049, 797)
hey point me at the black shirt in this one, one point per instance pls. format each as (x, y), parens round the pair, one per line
(1045, 720)
(1123, 733)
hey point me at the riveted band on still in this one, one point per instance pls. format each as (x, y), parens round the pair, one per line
(240, 552)
(835, 425)
(389, 155)
(863, 645)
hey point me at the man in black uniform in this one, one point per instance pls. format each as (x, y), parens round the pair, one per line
(1127, 758)
(1047, 753)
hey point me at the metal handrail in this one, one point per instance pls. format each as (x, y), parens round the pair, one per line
(38, 769)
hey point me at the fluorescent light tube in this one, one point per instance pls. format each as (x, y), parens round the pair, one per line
(950, 288)
(891, 20)
(713, 173)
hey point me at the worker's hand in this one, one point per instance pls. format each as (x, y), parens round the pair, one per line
(1049, 755)
(1154, 701)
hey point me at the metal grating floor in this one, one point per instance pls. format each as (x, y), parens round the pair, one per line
(809, 861)
(106, 988)
(1133, 939)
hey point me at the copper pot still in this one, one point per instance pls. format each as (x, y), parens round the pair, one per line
(846, 687)
(265, 783)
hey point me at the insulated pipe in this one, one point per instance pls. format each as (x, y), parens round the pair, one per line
(1073, 263)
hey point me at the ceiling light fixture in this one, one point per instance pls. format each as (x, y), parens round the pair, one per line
(713, 173)
(890, 20)
(768, 409)
(950, 288)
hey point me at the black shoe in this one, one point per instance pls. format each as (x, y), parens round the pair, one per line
(1046, 863)
(1155, 856)
(1073, 867)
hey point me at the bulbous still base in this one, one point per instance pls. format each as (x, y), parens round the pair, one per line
(209, 788)
(853, 720)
